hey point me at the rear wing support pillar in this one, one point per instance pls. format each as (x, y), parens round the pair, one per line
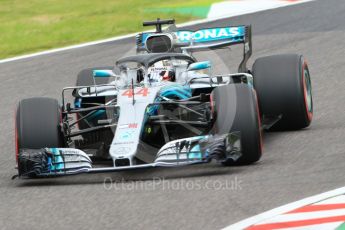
(247, 50)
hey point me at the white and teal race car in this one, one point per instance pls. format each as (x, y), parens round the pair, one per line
(163, 108)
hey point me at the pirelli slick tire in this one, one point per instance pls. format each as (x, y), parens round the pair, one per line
(236, 110)
(85, 77)
(283, 86)
(38, 124)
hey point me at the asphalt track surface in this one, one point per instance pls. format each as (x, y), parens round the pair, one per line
(294, 165)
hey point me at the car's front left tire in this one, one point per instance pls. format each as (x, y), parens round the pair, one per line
(236, 110)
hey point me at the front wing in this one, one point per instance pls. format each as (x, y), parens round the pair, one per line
(50, 162)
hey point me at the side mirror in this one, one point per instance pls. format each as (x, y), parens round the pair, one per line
(103, 73)
(199, 66)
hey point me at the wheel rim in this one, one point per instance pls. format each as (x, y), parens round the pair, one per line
(308, 99)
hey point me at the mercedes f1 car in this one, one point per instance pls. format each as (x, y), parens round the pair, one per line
(163, 108)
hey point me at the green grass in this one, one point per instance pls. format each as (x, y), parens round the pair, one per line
(34, 25)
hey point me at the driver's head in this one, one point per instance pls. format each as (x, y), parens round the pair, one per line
(168, 75)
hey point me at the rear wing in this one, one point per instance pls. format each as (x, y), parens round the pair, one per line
(188, 41)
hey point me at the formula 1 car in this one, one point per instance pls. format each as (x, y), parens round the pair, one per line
(163, 108)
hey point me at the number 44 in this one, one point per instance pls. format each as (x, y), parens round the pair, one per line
(141, 91)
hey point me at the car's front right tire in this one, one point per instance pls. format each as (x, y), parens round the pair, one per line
(38, 124)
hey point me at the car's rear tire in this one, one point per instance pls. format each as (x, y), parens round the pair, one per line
(236, 109)
(283, 85)
(85, 77)
(38, 124)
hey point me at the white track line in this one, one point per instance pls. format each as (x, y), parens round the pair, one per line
(284, 209)
(196, 22)
(236, 8)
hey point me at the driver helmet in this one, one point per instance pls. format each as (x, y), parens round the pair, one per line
(161, 71)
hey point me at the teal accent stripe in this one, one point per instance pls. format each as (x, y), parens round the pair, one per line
(95, 114)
